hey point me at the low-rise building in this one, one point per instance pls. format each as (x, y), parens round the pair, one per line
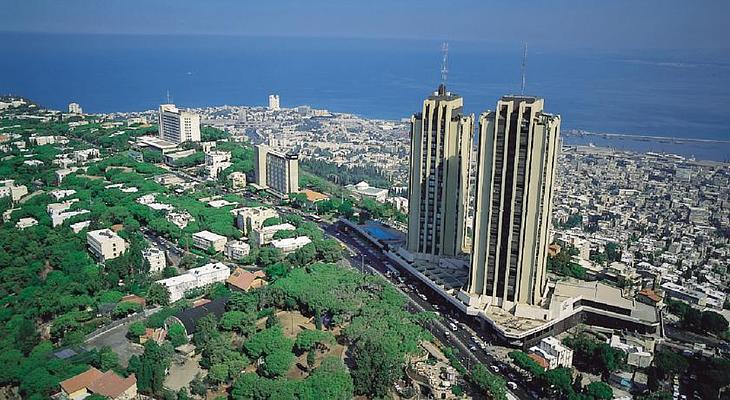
(105, 244)
(248, 219)
(155, 258)
(236, 249)
(237, 179)
(8, 188)
(365, 191)
(217, 161)
(551, 350)
(59, 218)
(206, 240)
(26, 223)
(59, 194)
(290, 245)
(79, 226)
(107, 384)
(264, 235)
(244, 280)
(195, 278)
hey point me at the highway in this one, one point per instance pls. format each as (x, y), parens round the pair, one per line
(369, 259)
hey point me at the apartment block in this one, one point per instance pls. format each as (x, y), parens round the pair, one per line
(105, 244)
(205, 240)
(195, 278)
(236, 249)
(248, 219)
(155, 258)
(264, 235)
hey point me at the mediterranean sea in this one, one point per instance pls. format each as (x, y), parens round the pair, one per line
(659, 93)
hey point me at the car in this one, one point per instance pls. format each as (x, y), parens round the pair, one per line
(435, 307)
(472, 348)
(494, 368)
(423, 297)
(511, 385)
(453, 327)
(447, 333)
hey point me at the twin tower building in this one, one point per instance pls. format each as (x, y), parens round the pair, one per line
(516, 160)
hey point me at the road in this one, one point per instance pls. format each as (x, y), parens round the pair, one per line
(370, 259)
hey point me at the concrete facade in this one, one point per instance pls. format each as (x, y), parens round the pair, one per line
(276, 171)
(178, 126)
(518, 147)
(205, 240)
(105, 244)
(441, 138)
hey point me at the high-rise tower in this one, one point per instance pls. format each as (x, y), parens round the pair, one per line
(441, 138)
(518, 146)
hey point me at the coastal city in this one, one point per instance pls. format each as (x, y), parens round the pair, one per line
(381, 200)
(254, 252)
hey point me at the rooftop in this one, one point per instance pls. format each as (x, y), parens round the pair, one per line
(209, 236)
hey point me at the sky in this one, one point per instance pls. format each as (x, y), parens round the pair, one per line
(557, 24)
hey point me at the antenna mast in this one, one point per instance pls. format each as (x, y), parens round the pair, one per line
(168, 96)
(524, 66)
(444, 66)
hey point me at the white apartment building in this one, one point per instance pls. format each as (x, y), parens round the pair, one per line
(248, 219)
(290, 245)
(237, 249)
(238, 180)
(554, 353)
(26, 223)
(105, 244)
(264, 235)
(59, 194)
(156, 259)
(75, 108)
(178, 126)
(206, 239)
(79, 226)
(365, 191)
(274, 103)
(195, 278)
(59, 218)
(217, 161)
(8, 188)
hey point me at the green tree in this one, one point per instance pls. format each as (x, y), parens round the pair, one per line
(268, 256)
(157, 295)
(205, 330)
(329, 250)
(176, 333)
(108, 359)
(377, 366)
(152, 367)
(599, 391)
(218, 373)
(136, 329)
(239, 321)
(278, 363)
(492, 385)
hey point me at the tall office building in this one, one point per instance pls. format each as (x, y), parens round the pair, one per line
(178, 126)
(276, 170)
(441, 138)
(274, 102)
(518, 147)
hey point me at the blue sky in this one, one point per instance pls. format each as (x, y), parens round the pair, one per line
(570, 24)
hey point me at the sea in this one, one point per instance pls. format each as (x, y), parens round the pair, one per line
(664, 93)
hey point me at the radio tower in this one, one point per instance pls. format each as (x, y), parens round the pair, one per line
(524, 66)
(444, 66)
